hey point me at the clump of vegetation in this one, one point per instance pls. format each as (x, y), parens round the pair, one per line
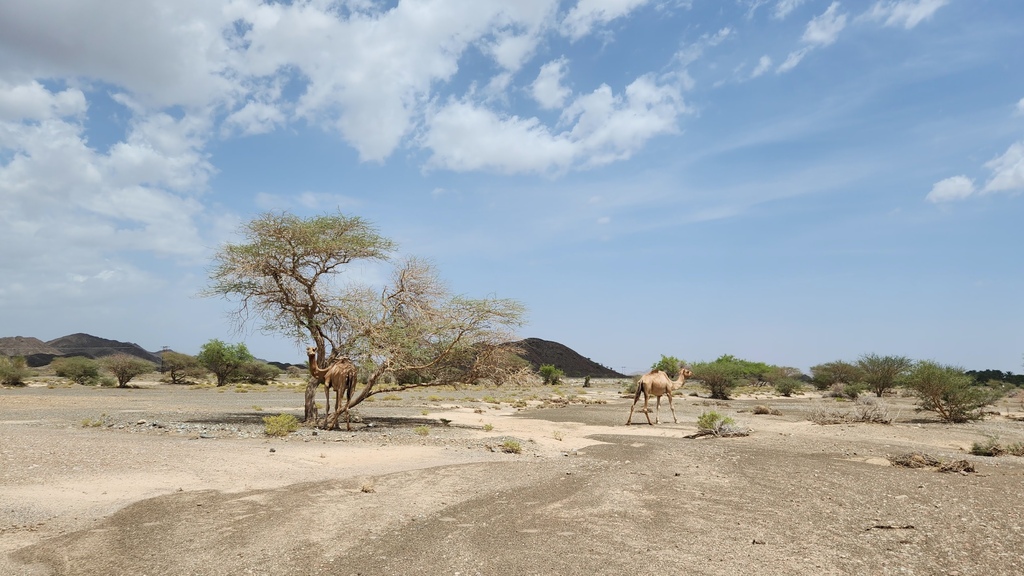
(421, 430)
(719, 377)
(787, 386)
(881, 373)
(257, 372)
(846, 390)
(280, 425)
(13, 371)
(95, 422)
(949, 392)
(669, 365)
(993, 447)
(488, 427)
(181, 368)
(865, 410)
(80, 370)
(826, 376)
(511, 447)
(124, 367)
(763, 409)
(224, 360)
(551, 374)
(922, 460)
(712, 423)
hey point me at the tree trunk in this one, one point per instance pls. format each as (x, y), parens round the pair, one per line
(311, 414)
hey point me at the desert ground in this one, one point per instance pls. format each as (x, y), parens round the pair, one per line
(163, 479)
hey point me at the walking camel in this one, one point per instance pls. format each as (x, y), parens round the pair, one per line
(659, 384)
(341, 376)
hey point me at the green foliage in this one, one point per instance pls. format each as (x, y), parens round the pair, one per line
(124, 367)
(991, 447)
(745, 368)
(880, 373)
(280, 425)
(669, 365)
(257, 372)
(511, 447)
(550, 374)
(712, 420)
(985, 376)
(224, 360)
(787, 386)
(421, 430)
(78, 369)
(825, 376)
(719, 377)
(180, 368)
(949, 392)
(13, 370)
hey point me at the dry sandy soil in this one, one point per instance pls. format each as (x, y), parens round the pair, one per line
(170, 480)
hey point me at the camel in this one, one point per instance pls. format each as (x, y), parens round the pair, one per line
(657, 383)
(340, 375)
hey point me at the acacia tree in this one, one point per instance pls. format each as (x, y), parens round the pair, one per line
(949, 392)
(224, 360)
(881, 373)
(124, 367)
(286, 275)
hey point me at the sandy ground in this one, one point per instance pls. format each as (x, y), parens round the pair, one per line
(170, 480)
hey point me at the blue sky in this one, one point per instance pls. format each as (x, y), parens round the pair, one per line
(787, 181)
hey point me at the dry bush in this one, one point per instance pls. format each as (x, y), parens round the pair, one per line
(762, 409)
(914, 460)
(865, 410)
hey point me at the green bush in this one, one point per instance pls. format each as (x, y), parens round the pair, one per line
(550, 374)
(13, 371)
(669, 365)
(825, 376)
(787, 386)
(712, 421)
(124, 367)
(719, 377)
(511, 446)
(78, 369)
(256, 372)
(949, 392)
(280, 425)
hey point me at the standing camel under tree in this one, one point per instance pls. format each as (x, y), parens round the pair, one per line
(658, 383)
(341, 376)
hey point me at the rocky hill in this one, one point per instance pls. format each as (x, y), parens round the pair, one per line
(96, 347)
(538, 352)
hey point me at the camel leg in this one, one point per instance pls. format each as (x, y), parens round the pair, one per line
(327, 400)
(657, 411)
(647, 410)
(636, 398)
(672, 408)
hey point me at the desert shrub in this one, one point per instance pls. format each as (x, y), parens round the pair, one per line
(511, 447)
(990, 447)
(80, 370)
(949, 392)
(719, 377)
(256, 372)
(13, 370)
(180, 368)
(763, 409)
(224, 360)
(715, 424)
(421, 430)
(488, 427)
(824, 376)
(847, 390)
(551, 374)
(124, 367)
(871, 410)
(787, 386)
(280, 425)
(881, 373)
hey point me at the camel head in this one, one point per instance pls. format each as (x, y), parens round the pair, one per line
(685, 373)
(310, 350)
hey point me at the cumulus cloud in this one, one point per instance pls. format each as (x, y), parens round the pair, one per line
(587, 14)
(598, 128)
(1020, 106)
(1007, 176)
(906, 13)
(547, 89)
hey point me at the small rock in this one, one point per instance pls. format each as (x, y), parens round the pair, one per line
(273, 450)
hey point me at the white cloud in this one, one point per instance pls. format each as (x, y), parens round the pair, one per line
(792, 60)
(601, 127)
(906, 13)
(690, 54)
(784, 7)
(1020, 106)
(953, 188)
(587, 14)
(1008, 170)
(547, 89)
(823, 30)
(763, 65)
(1007, 176)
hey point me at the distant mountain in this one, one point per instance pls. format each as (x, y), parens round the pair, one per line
(22, 346)
(96, 347)
(539, 352)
